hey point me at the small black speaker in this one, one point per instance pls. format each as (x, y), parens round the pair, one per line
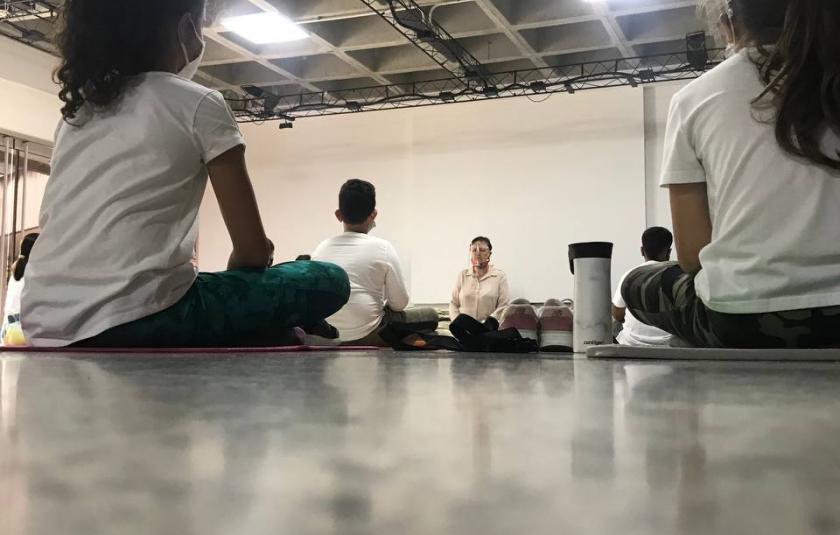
(695, 50)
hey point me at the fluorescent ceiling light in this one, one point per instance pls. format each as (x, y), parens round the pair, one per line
(265, 28)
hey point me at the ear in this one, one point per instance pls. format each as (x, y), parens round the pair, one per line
(642, 250)
(374, 214)
(727, 29)
(339, 216)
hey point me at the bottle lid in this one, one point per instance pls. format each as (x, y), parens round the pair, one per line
(594, 249)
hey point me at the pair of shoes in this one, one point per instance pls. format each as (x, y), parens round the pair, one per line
(550, 327)
(322, 334)
(556, 324)
(521, 315)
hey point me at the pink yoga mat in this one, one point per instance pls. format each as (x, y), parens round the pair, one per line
(185, 350)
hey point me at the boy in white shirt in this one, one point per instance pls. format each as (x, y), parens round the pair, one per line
(656, 248)
(378, 294)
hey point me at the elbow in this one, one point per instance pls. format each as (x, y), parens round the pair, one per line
(251, 259)
(398, 306)
(690, 265)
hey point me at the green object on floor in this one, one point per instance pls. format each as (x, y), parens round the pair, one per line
(239, 308)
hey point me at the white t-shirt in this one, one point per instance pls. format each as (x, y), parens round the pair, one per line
(14, 290)
(776, 223)
(636, 333)
(11, 310)
(376, 280)
(119, 216)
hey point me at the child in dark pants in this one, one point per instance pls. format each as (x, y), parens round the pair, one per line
(132, 157)
(752, 162)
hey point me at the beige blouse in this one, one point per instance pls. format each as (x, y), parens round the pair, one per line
(479, 298)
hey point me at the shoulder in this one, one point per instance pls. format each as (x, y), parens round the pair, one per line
(176, 84)
(384, 245)
(178, 91)
(729, 77)
(643, 264)
(324, 245)
(496, 272)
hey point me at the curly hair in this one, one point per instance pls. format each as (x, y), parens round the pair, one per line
(797, 43)
(103, 43)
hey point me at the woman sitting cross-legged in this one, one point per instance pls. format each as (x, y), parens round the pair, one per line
(482, 289)
(132, 156)
(752, 161)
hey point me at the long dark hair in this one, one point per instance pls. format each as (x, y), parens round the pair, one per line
(105, 42)
(801, 72)
(25, 250)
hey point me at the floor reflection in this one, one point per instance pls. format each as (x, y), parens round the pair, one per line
(352, 445)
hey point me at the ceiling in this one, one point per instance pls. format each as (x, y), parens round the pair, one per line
(350, 46)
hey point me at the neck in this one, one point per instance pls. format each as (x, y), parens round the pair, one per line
(172, 61)
(478, 270)
(359, 229)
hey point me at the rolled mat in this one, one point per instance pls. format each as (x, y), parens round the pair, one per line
(682, 353)
(186, 350)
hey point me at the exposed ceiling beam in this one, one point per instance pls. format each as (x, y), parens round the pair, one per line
(498, 18)
(250, 56)
(362, 69)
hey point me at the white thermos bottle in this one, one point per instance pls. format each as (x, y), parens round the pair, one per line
(590, 263)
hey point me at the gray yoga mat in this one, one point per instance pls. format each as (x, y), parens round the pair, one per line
(681, 353)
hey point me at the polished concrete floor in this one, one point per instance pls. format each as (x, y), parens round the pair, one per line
(383, 444)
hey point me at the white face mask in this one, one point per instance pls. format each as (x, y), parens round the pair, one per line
(191, 68)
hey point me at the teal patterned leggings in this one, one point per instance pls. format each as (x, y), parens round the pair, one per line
(240, 308)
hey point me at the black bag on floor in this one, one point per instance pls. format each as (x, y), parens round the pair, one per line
(402, 338)
(487, 338)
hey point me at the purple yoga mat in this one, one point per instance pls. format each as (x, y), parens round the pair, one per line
(185, 350)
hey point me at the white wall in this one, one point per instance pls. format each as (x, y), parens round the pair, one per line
(657, 102)
(29, 105)
(503, 168)
(534, 177)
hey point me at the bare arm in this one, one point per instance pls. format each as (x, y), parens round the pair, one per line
(619, 313)
(692, 223)
(233, 189)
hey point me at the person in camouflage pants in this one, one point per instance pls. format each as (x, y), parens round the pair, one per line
(663, 296)
(239, 308)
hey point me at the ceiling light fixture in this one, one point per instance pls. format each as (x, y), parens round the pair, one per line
(265, 28)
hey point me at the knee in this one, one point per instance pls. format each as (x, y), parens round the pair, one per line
(631, 288)
(335, 278)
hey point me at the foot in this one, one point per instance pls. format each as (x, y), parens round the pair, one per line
(321, 334)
